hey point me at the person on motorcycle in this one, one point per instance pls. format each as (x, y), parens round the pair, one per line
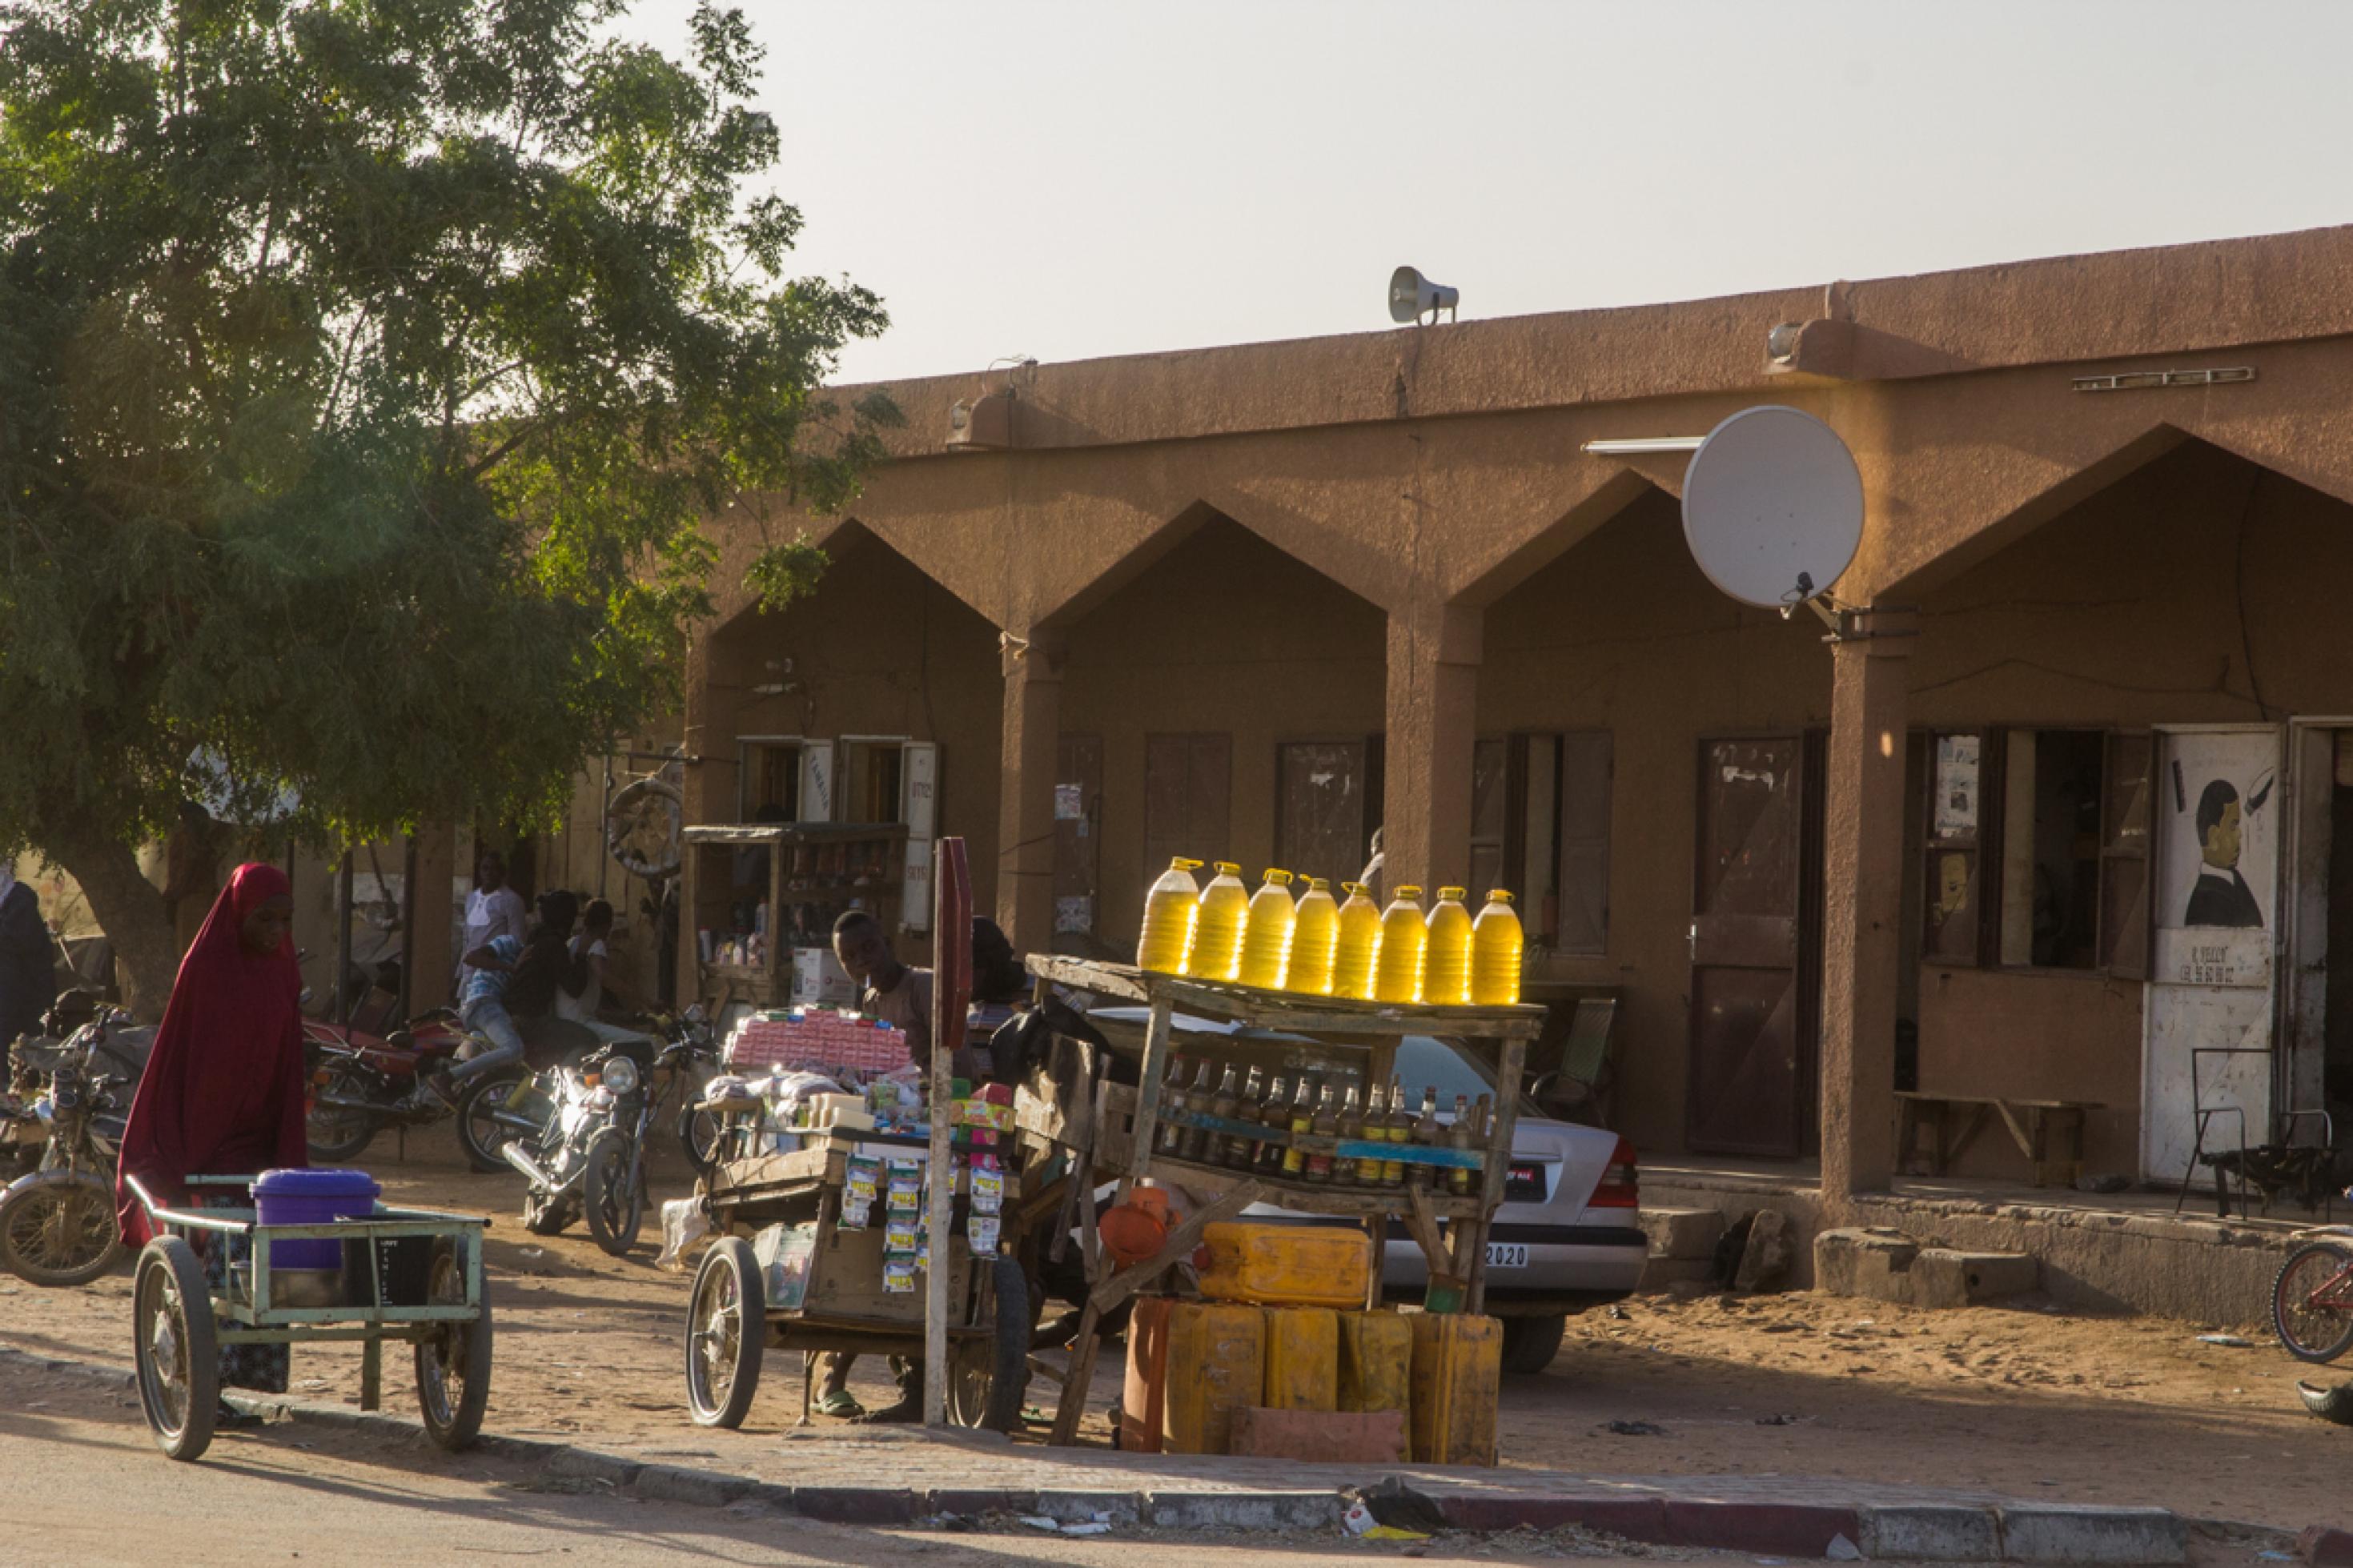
(510, 985)
(223, 1093)
(28, 963)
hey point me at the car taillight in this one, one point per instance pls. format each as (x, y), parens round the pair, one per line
(1620, 1183)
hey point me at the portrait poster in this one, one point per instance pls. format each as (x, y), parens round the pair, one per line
(2220, 804)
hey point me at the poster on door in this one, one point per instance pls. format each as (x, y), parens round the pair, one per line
(2221, 804)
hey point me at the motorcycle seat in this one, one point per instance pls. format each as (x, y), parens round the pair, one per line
(439, 1045)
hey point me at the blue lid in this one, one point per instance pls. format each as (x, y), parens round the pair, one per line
(329, 1182)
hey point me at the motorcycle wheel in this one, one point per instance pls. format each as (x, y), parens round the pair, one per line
(611, 1193)
(337, 1135)
(698, 1134)
(59, 1234)
(480, 1133)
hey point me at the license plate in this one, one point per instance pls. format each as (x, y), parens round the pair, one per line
(1507, 1255)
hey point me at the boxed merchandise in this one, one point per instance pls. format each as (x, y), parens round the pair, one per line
(816, 1037)
(819, 981)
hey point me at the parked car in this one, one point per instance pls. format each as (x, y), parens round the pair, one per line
(1568, 1235)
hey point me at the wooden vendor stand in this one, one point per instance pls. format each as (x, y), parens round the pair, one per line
(1113, 1136)
(815, 870)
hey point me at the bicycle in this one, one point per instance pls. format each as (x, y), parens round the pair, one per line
(2312, 1299)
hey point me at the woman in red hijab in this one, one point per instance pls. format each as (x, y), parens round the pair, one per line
(222, 1092)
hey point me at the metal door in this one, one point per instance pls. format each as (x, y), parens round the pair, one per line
(1745, 1094)
(1078, 832)
(2218, 809)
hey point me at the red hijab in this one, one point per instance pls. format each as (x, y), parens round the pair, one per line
(222, 1092)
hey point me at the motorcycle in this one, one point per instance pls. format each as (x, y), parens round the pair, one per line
(362, 1083)
(587, 1159)
(58, 1225)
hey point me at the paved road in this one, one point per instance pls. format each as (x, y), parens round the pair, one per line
(86, 1488)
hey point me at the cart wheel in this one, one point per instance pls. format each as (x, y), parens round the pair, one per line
(988, 1378)
(726, 1328)
(453, 1360)
(59, 1232)
(611, 1193)
(177, 1351)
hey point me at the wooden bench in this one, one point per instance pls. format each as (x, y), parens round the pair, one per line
(2030, 1122)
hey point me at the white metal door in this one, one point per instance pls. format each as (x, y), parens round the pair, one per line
(2218, 836)
(919, 778)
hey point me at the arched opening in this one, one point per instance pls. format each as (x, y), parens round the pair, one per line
(1224, 703)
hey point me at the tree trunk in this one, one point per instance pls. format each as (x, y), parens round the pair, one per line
(130, 911)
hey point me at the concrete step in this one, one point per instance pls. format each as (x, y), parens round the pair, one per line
(1883, 1264)
(1682, 1234)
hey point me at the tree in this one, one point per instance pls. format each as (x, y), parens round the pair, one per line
(368, 376)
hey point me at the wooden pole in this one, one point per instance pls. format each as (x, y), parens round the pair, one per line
(951, 994)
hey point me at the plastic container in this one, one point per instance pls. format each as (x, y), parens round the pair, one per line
(1218, 929)
(1376, 1363)
(1143, 1398)
(1267, 933)
(1356, 945)
(1315, 938)
(1446, 967)
(1458, 1371)
(1405, 943)
(1286, 1265)
(1169, 911)
(1302, 1358)
(1216, 1365)
(1497, 945)
(312, 1197)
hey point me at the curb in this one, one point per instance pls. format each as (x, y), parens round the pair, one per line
(2052, 1533)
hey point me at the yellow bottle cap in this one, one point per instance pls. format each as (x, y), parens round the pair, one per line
(1500, 896)
(1354, 888)
(1181, 864)
(1411, 890)
(1453, 893)
(1279, 877)
(1319, 885)
(1227, 869)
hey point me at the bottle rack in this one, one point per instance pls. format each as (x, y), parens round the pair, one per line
(1114, 1133)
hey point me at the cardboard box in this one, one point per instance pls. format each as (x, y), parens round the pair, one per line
(819, 981)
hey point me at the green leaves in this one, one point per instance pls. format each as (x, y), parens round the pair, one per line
(368, 373)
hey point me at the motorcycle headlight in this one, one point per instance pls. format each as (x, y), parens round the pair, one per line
(621, 1075)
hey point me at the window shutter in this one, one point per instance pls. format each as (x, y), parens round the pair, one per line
(2124, 854)
(919, 773)
(816, 780)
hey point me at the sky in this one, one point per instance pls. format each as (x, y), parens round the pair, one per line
(1069, 181)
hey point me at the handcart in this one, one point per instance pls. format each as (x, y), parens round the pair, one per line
(787, 1272)
(409, 1274)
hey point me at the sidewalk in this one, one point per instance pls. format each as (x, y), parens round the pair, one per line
(905, 1476)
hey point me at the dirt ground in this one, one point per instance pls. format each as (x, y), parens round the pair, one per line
(2018, 1402)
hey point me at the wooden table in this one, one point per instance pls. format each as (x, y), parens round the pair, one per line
(2029, 1123)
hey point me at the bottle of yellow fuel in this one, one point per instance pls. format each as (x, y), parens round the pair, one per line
(1315, 938)
(1356, 945)
(1405, 943)
(1496, 942)
(1267, 935)
(1446, 973)
(1217, 930)
(1169, 911)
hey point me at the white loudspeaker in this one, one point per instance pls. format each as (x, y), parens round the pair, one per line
(1412, 296)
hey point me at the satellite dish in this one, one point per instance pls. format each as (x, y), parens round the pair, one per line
(1412, 296)
(1773, 507)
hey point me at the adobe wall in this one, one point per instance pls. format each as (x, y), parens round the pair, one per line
(1224, 634)
(1623, 634)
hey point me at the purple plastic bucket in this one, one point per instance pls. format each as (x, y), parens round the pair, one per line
(312, 1197)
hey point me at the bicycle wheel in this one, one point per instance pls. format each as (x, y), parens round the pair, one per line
(2312, 1302)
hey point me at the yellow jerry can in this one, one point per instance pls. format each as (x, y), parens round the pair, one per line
(1302, 1358)
(1458, 1372)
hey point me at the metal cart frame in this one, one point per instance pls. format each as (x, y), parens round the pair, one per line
(181, 1322)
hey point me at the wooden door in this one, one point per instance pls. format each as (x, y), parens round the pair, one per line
(1747, 1089)
(1324, 795)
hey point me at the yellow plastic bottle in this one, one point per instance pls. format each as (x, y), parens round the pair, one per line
(1170, 910)
(1496, 945)
(1314, 939)
(1218, 929)
(1357, 946)
(1446, 972)
(1405, 943)
(1267, 935)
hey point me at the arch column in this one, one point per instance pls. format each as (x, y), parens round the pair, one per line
(1432, 718)
(1862, 900)
(1025, 839)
